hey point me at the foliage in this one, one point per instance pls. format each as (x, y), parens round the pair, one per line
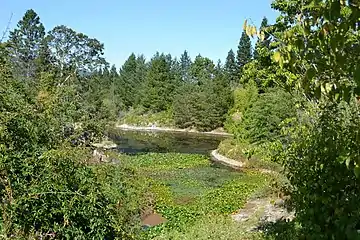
(159, 85)
(24, 44)
(203, 103)
(244, 54)
(318, 156)
(212, 227)
(230, 68)
(74, 52)
(262, 121)
(244, 97)
(187, 187)
(316, 41)
(139, 117)
(325, 34)
(48, 190)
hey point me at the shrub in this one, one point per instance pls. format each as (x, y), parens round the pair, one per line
(320, 155)
(243, 99)
(261, 122)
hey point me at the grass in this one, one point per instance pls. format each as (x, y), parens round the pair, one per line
(239, 151)
(189, 191)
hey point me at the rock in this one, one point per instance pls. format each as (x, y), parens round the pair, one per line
(217, 157)
(264, 211)
(105, 145)
(100, 156)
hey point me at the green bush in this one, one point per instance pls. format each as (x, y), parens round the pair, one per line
(261, 122)
(244, 98)
(319, 155)
(47, 189)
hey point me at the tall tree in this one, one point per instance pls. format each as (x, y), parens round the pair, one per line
(75, 52)
(243, 52)
(159, 84)
(128, 86)
(202, 70)
(25, 42)
(266, 41)
(185, 63)
(231, 68)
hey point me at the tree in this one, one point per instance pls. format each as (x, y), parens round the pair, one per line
(244, 52)
(185, 63)
(231, 68)
(316, 41)
(74, 53)
(262, 42)
(159, 85)
(25, 43)
(202, 70)
(128, 81)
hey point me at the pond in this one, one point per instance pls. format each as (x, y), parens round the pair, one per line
(132, 142)
(185, 185)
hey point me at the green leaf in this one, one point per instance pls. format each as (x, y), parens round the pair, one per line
(357, 171)
(277, 56)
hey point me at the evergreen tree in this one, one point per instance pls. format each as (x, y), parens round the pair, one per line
(244, 52)
(159, 85)
(231, 68)
(202, 70)
(25, 43)
(141, 72)
(128, 86)
(185, 63)
(266, 41)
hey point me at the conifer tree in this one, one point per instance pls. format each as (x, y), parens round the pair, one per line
(265, 42)
(243, 52)
(231, 68)
(159, 85)
(185, 63)
(25, 43)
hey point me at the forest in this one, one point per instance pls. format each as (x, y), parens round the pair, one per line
(290, 101)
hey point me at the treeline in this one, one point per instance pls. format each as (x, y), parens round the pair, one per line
(198, 93)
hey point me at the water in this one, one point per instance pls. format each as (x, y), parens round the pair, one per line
(133, 142)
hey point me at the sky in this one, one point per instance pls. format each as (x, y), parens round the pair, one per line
(207, 27)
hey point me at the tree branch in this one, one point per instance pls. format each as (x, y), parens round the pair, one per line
(7, 28)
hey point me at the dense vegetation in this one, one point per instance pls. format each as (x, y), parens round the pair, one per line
(293, 101)
(187, 189)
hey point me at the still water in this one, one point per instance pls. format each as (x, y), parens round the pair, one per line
(133, 142)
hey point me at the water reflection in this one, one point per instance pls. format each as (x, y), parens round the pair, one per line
(133, 142)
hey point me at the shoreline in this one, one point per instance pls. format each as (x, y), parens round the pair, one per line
(127, 127)
(215, 156)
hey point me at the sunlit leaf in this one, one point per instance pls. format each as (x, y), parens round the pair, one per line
(357, 171)
(277, 56)
(245, 25)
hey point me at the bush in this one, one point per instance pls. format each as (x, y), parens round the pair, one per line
(47, 189)
(319, 155)
(55, 195)
(243, 99)
(261, 122)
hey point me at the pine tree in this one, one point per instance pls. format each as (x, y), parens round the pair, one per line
(202, 70)
(231, 68)
(185, 64)
(159, 85)
(244, 52)
(128, 82)
(25, 43)
(265, 42)
(141, 72)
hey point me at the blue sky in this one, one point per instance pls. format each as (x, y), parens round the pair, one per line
(208, 27)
